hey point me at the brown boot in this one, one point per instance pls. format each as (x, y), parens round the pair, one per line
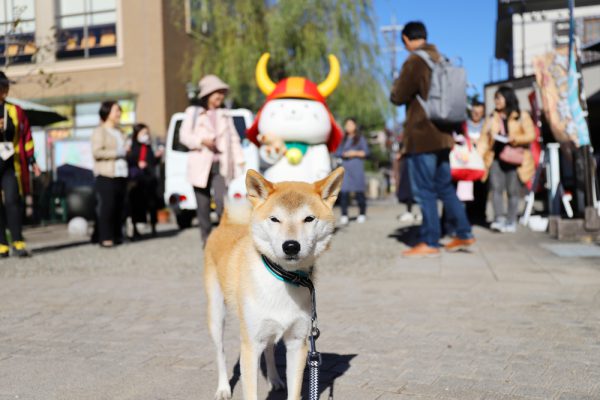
(422, 250)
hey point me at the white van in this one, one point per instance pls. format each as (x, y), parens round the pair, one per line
(179, 194)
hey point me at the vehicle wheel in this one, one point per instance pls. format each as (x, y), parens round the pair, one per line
(184, 219)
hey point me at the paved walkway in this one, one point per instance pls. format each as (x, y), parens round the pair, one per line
(512, 320)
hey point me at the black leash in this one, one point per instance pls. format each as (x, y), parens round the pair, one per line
(300, 278)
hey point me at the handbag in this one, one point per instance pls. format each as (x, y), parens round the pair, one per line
(465, 162)
(510, 154)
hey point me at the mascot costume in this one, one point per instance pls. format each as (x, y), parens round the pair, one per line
(294, 129)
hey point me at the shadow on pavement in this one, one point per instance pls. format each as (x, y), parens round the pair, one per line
(159, 235)
(56, 247)
(409, 235)
(83, 242)
(334, 366)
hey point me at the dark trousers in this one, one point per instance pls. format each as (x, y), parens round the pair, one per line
(360, 199)
(217, 183)
(476, 209)
(110, 207)
(143, 200)
(10, 207)
(431, 180)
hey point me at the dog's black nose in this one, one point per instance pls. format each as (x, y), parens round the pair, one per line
(291, 247)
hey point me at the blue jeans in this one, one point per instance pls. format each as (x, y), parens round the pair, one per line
(430, 180)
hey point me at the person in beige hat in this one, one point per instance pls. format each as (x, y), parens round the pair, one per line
(215, 156)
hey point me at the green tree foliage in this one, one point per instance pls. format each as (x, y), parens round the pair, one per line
(232, 34)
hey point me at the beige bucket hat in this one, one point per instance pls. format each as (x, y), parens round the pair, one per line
(210, 84)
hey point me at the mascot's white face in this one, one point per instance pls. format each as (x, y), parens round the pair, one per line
(296, 120)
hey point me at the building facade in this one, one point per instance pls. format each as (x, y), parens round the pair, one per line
(532, 28)
(73, 54)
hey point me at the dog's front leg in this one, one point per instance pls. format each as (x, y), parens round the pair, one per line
(296, 360)
(250, 354)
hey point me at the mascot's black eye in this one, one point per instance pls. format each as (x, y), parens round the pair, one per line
(310, 218)
(273, 219)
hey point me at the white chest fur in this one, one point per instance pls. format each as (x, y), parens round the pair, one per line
(276, 308)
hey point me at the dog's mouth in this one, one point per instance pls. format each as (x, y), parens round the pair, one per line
(292, 258)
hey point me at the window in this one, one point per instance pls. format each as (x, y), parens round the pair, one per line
(177, 145)
(591, 34)
(86, 28)
(196, 17)
(240, 126)
(17, 31)
(83, 117)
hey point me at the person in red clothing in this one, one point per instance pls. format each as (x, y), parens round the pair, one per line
(143, 196)
(16, 157)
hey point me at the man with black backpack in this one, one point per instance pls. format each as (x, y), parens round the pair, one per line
(434, 92)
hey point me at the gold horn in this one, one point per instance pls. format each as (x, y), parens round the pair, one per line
(330, 83)
(265, 84)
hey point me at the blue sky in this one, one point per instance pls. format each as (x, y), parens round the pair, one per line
(463, 28)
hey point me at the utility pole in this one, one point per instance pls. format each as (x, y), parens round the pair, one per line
(523, 42)
(391, 34)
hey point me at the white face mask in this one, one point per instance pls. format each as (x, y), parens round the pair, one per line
(144, 138)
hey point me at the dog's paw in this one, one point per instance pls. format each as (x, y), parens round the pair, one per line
(276, 384)
(223, 393)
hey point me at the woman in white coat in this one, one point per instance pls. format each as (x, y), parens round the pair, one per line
(215, 156)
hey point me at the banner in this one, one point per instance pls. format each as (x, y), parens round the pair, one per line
(558, 80)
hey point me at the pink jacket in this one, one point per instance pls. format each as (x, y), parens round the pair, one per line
(200, 157)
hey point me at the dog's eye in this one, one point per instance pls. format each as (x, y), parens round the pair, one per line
(273, 219)
(310, 218)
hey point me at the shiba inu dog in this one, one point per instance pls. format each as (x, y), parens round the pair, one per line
(291, 224)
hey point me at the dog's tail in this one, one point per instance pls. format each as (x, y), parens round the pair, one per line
(238, 212)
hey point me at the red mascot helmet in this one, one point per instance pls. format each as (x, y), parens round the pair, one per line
(298, 88)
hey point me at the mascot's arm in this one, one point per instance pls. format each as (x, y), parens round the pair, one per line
(272, 148)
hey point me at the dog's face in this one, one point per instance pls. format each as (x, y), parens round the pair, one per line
(292, 222)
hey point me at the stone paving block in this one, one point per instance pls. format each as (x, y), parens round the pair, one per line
(421, 377)
(576, 396)
(535, 392)
(350, 392)
(402, 396)
(422, 389)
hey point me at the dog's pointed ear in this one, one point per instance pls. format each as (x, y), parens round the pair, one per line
(329, 187)
(257, 187)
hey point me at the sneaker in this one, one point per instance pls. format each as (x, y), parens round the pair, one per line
(498, 225)
(361, 219)
(4, 251)
(344, 220)
(20, 249)
(510, 228)
(407, 217)
(422, 250)
(458, 244)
